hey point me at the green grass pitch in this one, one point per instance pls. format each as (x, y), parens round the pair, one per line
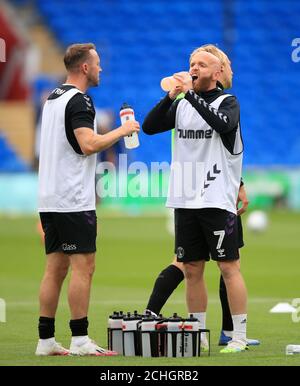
(131, 252)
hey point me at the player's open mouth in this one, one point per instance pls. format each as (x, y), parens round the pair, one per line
(194, 77)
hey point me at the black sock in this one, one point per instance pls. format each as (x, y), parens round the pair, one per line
(46, 327)
(164, 285)
(79, 327)
(227, 324)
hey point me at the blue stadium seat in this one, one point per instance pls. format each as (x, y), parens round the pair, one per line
(141, 42)
(10, 160)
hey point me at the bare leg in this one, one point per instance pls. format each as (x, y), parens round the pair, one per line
(237, 298)
(56, 270)
(177, 263)
(235, 286)
(226, 313)
(83, 266)
(196, 293)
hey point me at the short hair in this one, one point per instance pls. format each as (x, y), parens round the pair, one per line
(212, 49)
(77, 54)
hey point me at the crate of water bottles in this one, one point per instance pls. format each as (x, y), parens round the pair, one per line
(147, 335)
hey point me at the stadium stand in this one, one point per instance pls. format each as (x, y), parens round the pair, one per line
(10, 160)
(141, 42)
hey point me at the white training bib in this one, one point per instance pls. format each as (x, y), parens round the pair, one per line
(204, 174)
(66, 179)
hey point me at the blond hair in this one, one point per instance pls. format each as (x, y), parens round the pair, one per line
(212, 49)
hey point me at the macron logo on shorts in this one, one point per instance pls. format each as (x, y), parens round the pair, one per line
(69, 247)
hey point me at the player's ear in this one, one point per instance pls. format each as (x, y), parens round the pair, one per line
(84, 68)
(217, 75)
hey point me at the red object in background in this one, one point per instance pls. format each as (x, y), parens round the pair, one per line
(13, 85)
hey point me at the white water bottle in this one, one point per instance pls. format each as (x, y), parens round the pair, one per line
(130, 334)
(191, 334)
(149, 334)
(115, 332)
(174, 336)
(127, 114)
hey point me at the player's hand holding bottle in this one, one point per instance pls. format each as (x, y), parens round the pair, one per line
(130, 127)
(181, 82)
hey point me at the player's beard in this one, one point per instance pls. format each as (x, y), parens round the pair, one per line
(202, 84)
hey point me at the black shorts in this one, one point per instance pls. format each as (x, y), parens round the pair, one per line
(240, 232)
(73, 232)
(201, 234)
